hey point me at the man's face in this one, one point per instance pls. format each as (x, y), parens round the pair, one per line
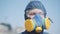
(33, 12)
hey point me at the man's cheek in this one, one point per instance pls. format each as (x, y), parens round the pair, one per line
(42, 16)
(30, 16)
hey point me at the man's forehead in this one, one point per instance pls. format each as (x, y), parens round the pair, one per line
(35, 11)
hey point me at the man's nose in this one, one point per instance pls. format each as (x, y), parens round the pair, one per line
(38, 19)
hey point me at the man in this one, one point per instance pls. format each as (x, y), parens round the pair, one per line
(33, 8)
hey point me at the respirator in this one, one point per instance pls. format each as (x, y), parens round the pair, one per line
(36, 23)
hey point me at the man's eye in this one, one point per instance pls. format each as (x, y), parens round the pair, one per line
(41, 13)
(32, 14)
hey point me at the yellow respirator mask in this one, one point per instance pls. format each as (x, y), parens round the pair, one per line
(36, 23)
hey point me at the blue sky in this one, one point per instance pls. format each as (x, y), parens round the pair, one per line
(12, 12)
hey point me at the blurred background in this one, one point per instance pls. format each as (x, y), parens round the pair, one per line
(12, 12)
